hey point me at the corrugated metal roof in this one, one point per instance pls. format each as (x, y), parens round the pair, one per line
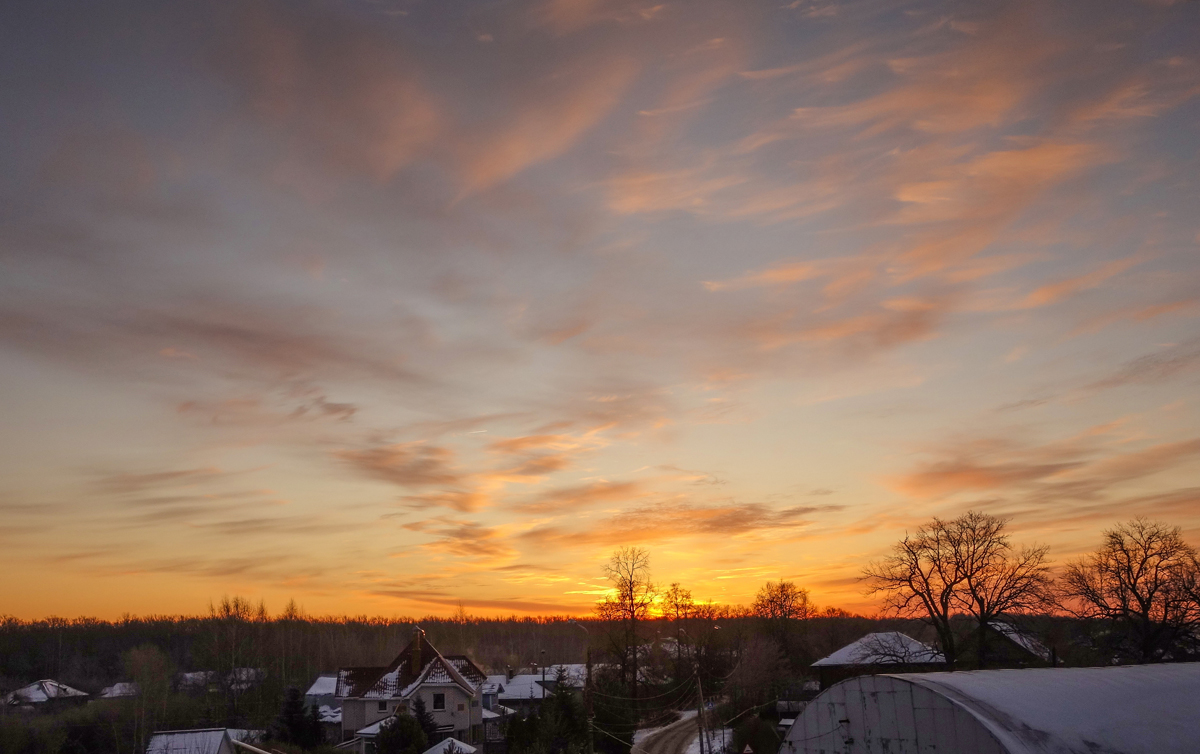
(199, 741)
(1142, 709)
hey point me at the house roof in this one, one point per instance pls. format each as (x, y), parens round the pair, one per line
(524, 686)
(196, 678)
(199, 741)
(124, 688)
(374, 728)
(398, 680)
(886, 648)
(1021, 639)
(441, 747)
(329, 714)
(325, 685)
(42, 691)
(467, 669)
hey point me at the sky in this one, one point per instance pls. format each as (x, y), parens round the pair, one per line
(392, 306)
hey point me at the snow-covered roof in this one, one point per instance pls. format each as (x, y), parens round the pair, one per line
(196, 679)
(42, 691)
(401, 678)
(124, 688)
(372, 729)
(886, 648)
(524, 686)
(1142, 709)
(1022, 639)
(325, 685)
(329, 714)
(199, 741)
(466, 668)
(441, 747)
(437, 672)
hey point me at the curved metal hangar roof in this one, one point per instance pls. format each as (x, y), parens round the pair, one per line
(1146, 709)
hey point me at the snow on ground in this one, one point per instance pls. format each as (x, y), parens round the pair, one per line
(642, 734)
(715, 742)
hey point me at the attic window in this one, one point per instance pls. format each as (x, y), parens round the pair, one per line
(439, 701)
(383, 706)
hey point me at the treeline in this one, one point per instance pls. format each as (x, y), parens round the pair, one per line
(655, 650)
(291, 647)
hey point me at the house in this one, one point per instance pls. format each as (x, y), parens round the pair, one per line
(244, 679)
(450, 686)
(45, 694)
(201, 741)
(198, 681)
(886, 652)
(322, 694)
(524, 692)
(1139, 709)
(445, 746)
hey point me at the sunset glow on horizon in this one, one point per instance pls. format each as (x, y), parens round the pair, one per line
(392, 306)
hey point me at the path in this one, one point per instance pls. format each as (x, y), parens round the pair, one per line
(673, 739)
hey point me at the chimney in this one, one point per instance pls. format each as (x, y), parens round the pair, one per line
(508, 671)
(415, 658)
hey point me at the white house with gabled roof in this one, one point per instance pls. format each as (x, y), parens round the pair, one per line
(451, 687)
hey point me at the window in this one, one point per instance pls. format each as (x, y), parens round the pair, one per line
(439, 701)
(383, 706)
(461, 706)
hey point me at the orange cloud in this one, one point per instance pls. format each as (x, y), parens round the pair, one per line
(546, 126)
(1054, 292)
(406, 464)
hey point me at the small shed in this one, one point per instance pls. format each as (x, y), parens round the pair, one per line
(1143, 709)
(886, 652)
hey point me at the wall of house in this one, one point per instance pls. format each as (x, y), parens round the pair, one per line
(467, 722)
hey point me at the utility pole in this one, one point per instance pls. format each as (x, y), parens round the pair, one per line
(587, 689)
(700, 711)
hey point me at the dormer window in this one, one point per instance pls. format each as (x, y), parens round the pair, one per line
(439, 701)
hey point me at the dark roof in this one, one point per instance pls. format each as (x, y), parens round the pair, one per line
(397, 678)
(467, 668)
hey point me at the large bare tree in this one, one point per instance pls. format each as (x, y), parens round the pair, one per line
(1143, 580)
(965, 565)
(677, 607)
(783, 607)
(627, 606)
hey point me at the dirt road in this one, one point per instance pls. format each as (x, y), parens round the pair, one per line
(673, 739)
